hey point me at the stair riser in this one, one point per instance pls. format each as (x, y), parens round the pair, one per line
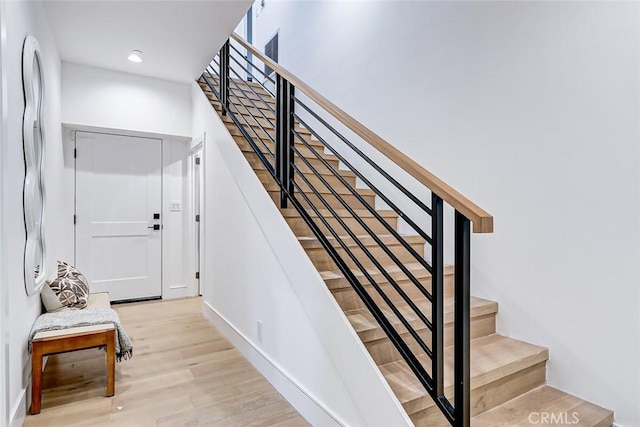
(268, 125)
(483, 398)
(266, 177)
(322, 261)
(349, 300)
(255, 163)
(257, 87)
(265, 145)
(350, 199)
(256, 122)
(301, 229)
(257, 112)
(247, 95)
(383, 351)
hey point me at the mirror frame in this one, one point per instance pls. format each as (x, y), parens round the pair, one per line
(35, 271)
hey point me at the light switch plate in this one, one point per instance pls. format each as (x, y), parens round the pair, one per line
(176, 206)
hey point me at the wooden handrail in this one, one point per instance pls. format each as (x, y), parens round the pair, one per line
(482, 221)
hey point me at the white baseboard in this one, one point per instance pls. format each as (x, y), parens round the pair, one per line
(314, 411)
(19, 411)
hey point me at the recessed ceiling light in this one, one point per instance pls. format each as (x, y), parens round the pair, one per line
(135, 56)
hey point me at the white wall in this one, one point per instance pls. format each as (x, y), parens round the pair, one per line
(4, 288)
(531, 110)
(21, 19)
(255, 270)
(120, 103)
(116, 100)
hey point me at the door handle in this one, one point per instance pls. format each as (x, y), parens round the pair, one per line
(155, 226)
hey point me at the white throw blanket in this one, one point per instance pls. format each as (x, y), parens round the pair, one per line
(65, 319)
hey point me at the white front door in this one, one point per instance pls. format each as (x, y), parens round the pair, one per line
(118, 206)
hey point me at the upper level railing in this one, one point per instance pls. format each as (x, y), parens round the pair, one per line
(289, 137)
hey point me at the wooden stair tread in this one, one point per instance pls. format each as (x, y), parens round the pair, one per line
(327, 156)
(342, 190)
(363, 321)
(325, 172)
(343, 213)
(314, 242)
(492, 358)
(517, 412)
(335, 279)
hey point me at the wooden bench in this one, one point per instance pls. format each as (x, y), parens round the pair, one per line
(71, 339)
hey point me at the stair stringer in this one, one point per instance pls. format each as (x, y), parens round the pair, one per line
(355, 371)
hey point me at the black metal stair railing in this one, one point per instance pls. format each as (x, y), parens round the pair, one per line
(276, 124)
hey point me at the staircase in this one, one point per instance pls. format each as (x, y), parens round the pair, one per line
(507, 376)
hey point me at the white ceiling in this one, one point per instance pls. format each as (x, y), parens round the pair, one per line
(178, 38)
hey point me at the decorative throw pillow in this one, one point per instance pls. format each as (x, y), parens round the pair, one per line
(70, 288)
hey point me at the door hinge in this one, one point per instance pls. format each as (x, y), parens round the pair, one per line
(197, 160)
(74, 220)
(197, 274)
(197, 218)
(75, 153)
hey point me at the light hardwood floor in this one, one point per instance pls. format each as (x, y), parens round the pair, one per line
(183, 373)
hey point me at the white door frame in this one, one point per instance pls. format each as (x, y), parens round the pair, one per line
(114, 132)
(196, 150)
(4, 286)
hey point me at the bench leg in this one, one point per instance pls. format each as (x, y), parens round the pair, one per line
(111, 363)
(36, 377)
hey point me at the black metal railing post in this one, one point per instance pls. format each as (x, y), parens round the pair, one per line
(224, 77)
(285, 93)
(437, 292)
(462, 326)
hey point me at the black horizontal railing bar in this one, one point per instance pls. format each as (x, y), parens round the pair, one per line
(389, 178)
(361, 267)
(245, 120)
(385, 325)
(251, 74)
(375, 189)
(250, 113)
(269, 107)
(250, 140)
(373, 259)
(402, 241)
(254, 65)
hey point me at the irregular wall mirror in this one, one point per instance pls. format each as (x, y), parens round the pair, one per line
(33, 143)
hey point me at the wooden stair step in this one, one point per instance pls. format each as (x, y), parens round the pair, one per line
(233, 130)
(527, 409)
(323, 261)
(271, 185)
(254, 84)
(335, 279)
(493, 359)
(346, 174)
(330, 158)
(363, 213)
(301, 229)
(266, 144)
(368, 329)
(387, 239)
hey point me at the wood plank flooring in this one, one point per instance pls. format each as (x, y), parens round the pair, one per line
(183, 373)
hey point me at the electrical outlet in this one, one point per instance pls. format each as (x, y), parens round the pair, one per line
(259, 330)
